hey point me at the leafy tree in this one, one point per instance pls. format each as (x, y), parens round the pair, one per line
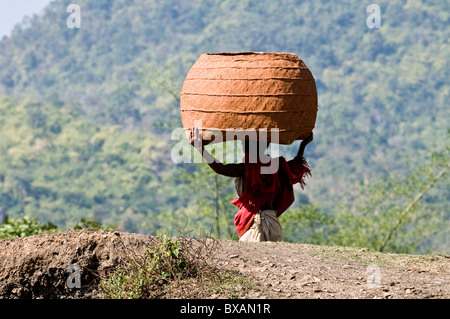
(400, 214)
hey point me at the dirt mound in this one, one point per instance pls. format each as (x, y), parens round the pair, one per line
(40, 266)
(46, 266)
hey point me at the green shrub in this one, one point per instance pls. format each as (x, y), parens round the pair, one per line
(91, 222)
(23, 226)
(147, 275)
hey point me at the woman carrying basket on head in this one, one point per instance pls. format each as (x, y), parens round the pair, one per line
(262, 197)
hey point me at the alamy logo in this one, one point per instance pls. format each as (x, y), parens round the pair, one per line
(184, 153)
(374, 276)
(74, 279)
(374, 18)
(74, 19)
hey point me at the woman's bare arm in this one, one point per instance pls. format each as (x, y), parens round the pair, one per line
(306, 141)
(229, 170)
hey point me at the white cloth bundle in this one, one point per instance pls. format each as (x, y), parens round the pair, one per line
(265, 227)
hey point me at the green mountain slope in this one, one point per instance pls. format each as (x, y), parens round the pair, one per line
(61, 167)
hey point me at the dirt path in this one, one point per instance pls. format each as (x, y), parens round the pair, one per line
(308, 271)
(36, 267)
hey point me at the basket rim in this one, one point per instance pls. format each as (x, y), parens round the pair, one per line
(248, 53)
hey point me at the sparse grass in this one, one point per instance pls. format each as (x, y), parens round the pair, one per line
(175, 268)
(91, 222)
(234, 286)
(218, 284)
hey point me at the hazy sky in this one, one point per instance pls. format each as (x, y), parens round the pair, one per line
(12, 12)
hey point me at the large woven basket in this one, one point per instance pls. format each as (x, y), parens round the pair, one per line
(250, 90)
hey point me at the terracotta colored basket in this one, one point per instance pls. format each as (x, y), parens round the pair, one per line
(250, 90)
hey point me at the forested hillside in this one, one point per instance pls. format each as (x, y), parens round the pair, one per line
(88, 114)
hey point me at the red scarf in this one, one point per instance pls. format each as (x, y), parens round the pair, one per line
(262, 188)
